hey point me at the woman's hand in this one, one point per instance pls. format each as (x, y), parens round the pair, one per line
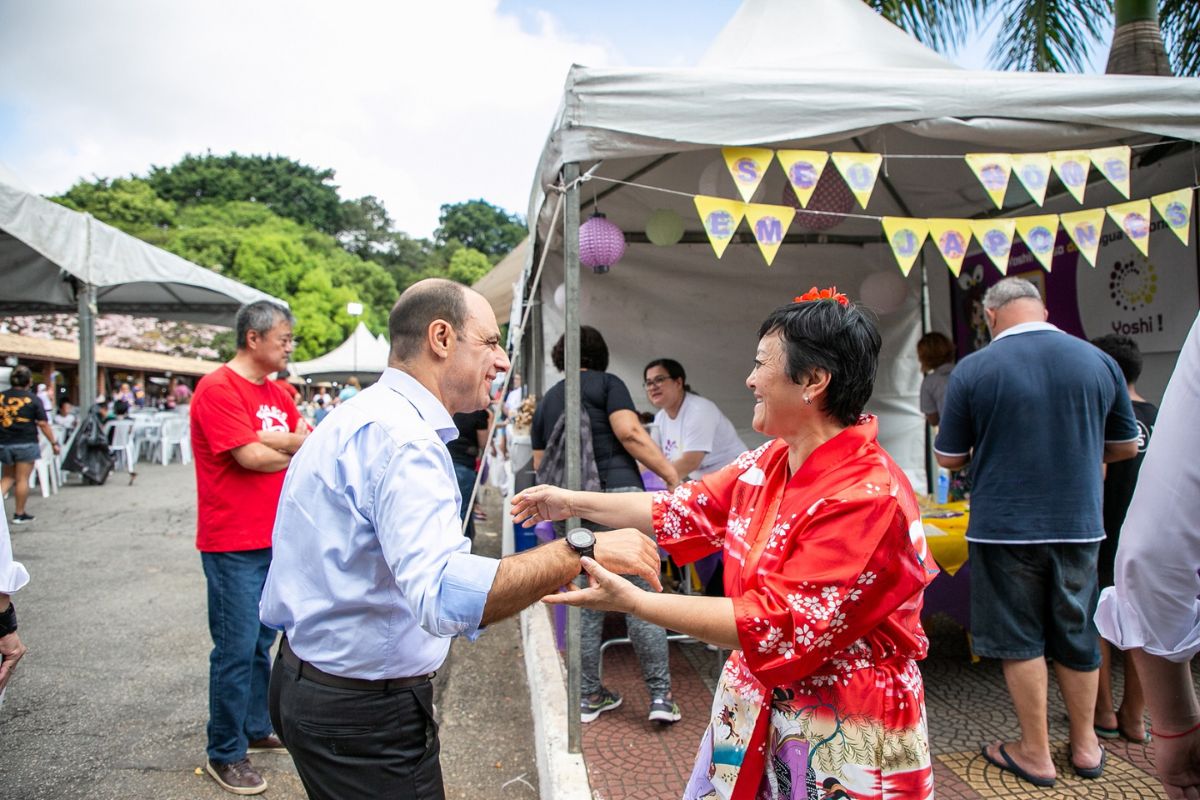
(606, 591)
(542, 503)
(1177, 760)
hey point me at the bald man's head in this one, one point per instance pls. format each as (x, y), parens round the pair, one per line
(419, 305)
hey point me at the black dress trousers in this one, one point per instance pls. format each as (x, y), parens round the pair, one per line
(358, 743)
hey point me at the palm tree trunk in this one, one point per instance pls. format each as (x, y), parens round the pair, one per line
(1137, 46)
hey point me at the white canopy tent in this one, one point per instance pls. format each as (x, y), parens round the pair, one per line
(362, 354)
(825, 75)
(53, 259)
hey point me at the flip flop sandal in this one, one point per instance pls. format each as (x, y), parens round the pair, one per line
(1131, 738)
(1091, 773)
(1008, 765)
(1107, 733)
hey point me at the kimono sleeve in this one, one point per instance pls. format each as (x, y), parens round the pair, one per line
(689, 523)
(842, 574)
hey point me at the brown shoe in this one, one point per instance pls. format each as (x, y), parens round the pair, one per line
(268, 744)
(240, 777)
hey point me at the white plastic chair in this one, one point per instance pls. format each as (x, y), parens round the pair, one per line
(147, 435)
(122, 442)
(176, 432)
(45, 469)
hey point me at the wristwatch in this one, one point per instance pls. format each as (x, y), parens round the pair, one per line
(582, 541)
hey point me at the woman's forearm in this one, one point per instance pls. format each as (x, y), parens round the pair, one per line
(709, 619)
(616, 510)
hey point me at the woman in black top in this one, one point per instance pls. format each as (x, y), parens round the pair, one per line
(21, 414)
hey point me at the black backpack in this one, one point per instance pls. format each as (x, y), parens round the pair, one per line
(88, 453)
(553, 470)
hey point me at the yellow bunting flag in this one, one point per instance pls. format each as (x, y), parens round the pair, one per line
(905, 237)
(1176, 210)
(1033, 171)
(1113, 163)
(803, 169)
(1084, 229)
(720, 218)
(1134, 220)
(770, 224)
(993, 170)
(952, 236)
(860, 171)
(995, 236)
(1039, 234)
(1072, 168)
(747, 165)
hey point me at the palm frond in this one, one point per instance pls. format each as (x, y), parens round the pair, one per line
(1048, 35)
(943, 25)
(1180, 23)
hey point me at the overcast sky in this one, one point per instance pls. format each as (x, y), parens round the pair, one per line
(418, 103)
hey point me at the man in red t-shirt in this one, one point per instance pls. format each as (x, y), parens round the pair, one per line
(244, 432)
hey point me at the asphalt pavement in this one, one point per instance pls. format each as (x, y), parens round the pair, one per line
(111, 701)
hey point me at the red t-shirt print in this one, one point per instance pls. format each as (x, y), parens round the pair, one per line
(235, 506)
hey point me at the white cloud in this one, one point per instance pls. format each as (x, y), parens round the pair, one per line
(419, 103)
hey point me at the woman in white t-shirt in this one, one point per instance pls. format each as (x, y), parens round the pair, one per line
(692, 432)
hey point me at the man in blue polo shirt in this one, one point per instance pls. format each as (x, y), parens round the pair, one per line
(1036, 412)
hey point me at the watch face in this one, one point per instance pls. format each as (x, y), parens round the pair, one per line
(580, 538)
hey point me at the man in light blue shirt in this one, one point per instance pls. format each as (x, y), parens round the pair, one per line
(371, 574)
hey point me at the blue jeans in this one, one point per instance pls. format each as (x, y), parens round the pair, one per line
(239, 670)
(466, 483)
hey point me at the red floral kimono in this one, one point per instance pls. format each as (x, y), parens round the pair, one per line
(826, 571)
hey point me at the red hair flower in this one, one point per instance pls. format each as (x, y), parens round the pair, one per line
(822, 294)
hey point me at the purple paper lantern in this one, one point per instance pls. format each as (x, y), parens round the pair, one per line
(601, 244)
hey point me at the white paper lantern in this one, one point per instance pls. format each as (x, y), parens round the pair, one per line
(664, 227)
(883, 292)
(560, 297)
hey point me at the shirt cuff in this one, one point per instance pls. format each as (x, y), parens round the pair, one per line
(13, 577)
(465, 586)
(1120, 623)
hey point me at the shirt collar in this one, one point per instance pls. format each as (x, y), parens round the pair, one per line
(838, 449)
(1025, 327)
(422, 400)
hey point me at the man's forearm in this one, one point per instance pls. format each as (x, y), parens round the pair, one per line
(523, 579)
(281, 440)
(616, 510)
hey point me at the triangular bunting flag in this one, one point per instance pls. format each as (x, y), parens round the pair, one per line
(1134, 219)
(859, 171)
(1072, 169)
(951, 236)
(1039, 233)
(995, 236)
(770, 224)
(1176, 210)
(720, 218)
(803, 169)
(747, 165)
(1033, 171)
(1084, 229)
(993, 170)
(1113, 163)
(905, 237)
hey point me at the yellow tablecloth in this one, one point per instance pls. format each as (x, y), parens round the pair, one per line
(947, 535)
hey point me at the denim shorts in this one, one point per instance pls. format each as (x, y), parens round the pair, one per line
(19, 453)
(1034, 600)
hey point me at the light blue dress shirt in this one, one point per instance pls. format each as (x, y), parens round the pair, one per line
(371, 574)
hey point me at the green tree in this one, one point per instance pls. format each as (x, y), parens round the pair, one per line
(366, 228)
(287, 187)
(479, 225)
(1053, 35)
(468, 265)
(130, 204)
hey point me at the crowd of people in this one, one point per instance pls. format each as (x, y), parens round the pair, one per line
(350, 535)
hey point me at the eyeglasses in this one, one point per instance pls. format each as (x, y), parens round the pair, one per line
(651, 383)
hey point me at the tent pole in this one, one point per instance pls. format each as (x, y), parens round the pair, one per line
(86, 295)
(571, 367)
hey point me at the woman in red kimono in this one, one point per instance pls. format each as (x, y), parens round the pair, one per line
(825, 566)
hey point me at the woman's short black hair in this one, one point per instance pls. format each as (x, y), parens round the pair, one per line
(673, 369)
(1125, 352)
(842, 340)
(593, 352)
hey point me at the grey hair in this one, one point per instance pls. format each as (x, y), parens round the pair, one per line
(260, 316)
(1007, 290)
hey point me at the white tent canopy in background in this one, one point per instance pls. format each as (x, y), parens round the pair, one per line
(53, 258)
(363, 354)
(863, 85)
